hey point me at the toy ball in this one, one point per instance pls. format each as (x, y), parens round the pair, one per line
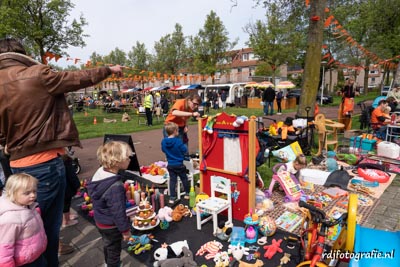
(267, 226)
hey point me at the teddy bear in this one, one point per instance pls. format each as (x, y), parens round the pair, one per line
(179, 212)
(185, 261)
(169, 251)
(164, 214)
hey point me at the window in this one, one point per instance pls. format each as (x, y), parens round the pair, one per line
(239, 70)
(245, 57)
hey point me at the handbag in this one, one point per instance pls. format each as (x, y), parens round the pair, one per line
(72, 179)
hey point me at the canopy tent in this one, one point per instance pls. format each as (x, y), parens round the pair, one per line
(265, 84)
(130, 90)
(154, 89)
(195, 86)
(182, 87)
(285, 85)
(159, 88)
(174, 87)
(251, 84)
(147, 88)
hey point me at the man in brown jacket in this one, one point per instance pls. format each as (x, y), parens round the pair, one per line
(36, 126)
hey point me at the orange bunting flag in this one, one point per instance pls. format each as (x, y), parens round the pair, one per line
(328, 21)
(57, 57)
(76, 60)
(324, 46)
(307, 3)
(330, 61)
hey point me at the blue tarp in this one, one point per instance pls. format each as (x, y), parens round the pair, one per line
(376, 101)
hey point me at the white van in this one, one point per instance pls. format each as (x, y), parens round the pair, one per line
(232, 89)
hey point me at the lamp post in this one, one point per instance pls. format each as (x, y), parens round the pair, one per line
(323, 81)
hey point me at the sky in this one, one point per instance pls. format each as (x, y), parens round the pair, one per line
(121, 23)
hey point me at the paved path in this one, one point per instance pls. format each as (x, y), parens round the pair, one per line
(85, 238)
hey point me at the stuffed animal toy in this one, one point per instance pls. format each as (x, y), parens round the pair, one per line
(224, 230)
(185, 261)
(210, 248)
(238, 251)
(239, 121)
(139, 244)
(221, 259)
(164, 214)
(125, 117)
(272, 249)
(179, 212)
(169, 251)
(285, 259)
(210, 124)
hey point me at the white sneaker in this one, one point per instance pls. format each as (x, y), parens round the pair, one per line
(278, 113)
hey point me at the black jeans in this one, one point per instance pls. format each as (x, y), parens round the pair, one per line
(149, 116)
(174, 173)
(278, 103)
(112, 239)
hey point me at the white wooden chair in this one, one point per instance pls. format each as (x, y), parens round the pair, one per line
(215, 204)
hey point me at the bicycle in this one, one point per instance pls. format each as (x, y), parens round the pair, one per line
(316, 225)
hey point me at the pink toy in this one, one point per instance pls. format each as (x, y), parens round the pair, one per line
(210, 248)
(273, 248)
(288, 182)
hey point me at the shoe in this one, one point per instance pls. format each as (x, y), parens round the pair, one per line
(73, 216)
(278, 113)
(70, 223)
(186, 196)
(65, 249)
(172, 200)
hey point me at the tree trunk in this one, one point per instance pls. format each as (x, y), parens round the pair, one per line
(313, 58)
(397, 77)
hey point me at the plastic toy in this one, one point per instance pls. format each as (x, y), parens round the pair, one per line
(210, 249)
(169, 251)
(186, 260)
(139, 244)
(251, 229)
(373, 175)
(288, 182)
(267, 225)
(238, 236)
(272, 249)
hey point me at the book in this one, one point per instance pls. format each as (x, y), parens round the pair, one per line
(288, 221)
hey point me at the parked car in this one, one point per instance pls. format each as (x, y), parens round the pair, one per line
(326, 99)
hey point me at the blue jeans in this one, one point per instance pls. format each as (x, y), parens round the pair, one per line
(174, 173)
(50, 196)
(266, 108)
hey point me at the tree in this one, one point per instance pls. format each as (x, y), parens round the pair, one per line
(116, 57)
(139, 59)
(209, 48)
(313, 57)
(171, 52)
(275, 41)
(42, 25)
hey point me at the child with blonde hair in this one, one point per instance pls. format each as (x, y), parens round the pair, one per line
(109, 199)
(300, 162)
(23, 239)
(175, 151)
